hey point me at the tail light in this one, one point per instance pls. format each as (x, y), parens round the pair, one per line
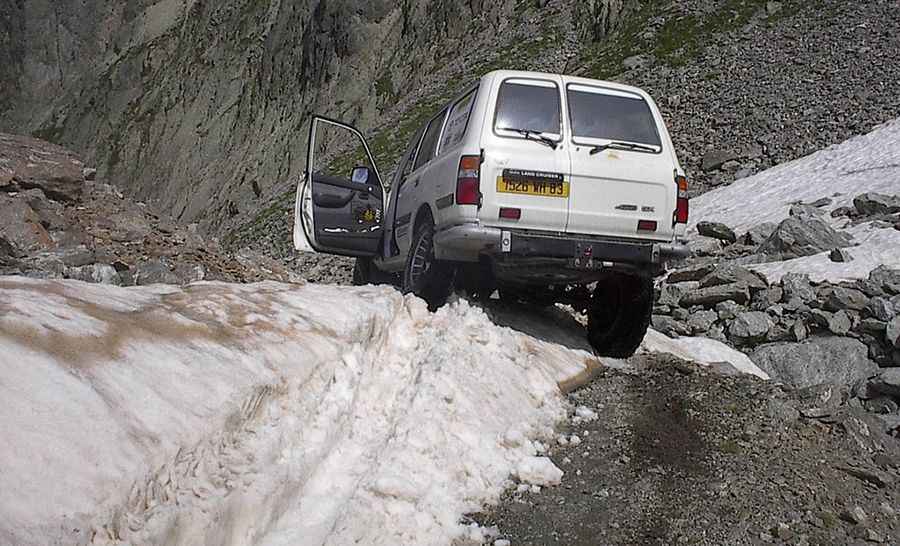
(468, 180)
(509, 213)
(681, 209)
(646, 225)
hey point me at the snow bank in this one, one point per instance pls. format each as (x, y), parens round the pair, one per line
(261, 414)
(702, 350)
(868, 163)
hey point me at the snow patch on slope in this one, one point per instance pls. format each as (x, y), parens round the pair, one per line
(868, 163)
(262, 414)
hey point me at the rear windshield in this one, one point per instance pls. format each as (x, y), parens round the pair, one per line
(532, 106)
(611, 115)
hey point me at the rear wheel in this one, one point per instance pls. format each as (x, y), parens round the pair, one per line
(424, 276)
(619, 314)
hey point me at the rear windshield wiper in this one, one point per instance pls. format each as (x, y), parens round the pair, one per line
(536, 136)
(625, 145)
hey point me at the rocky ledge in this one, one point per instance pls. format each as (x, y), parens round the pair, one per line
(58, 221)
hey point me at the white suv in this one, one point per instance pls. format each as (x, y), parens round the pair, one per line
(539, 186)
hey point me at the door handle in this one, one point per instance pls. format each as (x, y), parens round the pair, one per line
(416, 183)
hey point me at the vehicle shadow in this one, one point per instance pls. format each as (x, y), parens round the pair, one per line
(551, 324)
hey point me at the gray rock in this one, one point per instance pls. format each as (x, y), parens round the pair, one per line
(730, 274)
(845, 298)
(886, 279)
(779, 333)
(154, 272)
(826, 359)
(870, 204)
(821, 202)
(669, 326)
(728, 310)
(820, 318)
(681, 314)
(750, 327)
(758, 234)
(803, 211)
(716, 230)
(839, 255)
(637, 61)
(873, 326)
(95, 273)
(892, 332)
(799, 330)
(716, 158)
(744, 173)
(708, 297)
(702, 321)
(694, 273)
(880, 308)
(840, 323)
(895, 303)
(796, 237)
(705, 246)
(773, 8)
(670, 294)
(887, 382)
(797, 285)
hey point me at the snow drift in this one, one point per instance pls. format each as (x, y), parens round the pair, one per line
(261, 414)
(867, 163)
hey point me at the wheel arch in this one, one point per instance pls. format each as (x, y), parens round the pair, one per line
(424, 212)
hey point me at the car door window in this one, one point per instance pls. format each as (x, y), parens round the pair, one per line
(457, 121)
(430, 140)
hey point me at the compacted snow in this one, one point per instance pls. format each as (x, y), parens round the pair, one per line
(868, 163)
(262, 414)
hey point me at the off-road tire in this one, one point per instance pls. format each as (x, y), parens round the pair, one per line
(619, 314)
(425, 276)
(366, 272)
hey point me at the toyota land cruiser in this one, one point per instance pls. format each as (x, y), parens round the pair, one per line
(543, 187)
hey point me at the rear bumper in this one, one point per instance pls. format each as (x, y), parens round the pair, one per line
(466, 242)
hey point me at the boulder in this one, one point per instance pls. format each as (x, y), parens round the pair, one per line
(840, 323)
(887, 382)
(694, 273)
(731, 274)
(716, 230)
(758, 234)
(669, 326)
(32, 163)
(154, 272)
(714, 159)
(839, 255)
(886, 279)
(708, 297)
(728, 310)
(21, 227)
(880, 308)
(797, 286)
(670, 294)
(817, 360)
(704, 246)
(845, 298)
(892, 332)
(95, 273)
(871, 204)
(750, 327)
(796, 237)
(702, 321)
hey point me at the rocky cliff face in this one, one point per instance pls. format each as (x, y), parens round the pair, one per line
(200, 106)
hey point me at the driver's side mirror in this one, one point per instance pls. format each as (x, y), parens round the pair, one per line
(360, 175)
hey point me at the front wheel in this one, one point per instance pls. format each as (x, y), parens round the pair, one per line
(619, 314)
(425, 276)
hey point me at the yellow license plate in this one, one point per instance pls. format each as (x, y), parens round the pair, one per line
(533, 183)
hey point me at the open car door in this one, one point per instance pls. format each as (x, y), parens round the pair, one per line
(340, 202)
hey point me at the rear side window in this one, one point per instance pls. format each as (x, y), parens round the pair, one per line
(429, 141)
(457, 121)
(612, 115)
(528, 105)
